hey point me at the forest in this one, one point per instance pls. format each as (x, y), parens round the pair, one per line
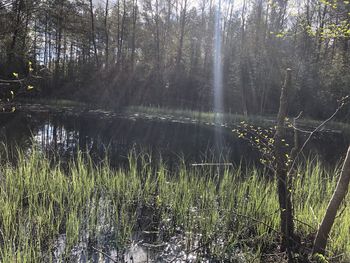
(178, 131)
(160, 52)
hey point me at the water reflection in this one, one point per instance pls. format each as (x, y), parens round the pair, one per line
(65, 134)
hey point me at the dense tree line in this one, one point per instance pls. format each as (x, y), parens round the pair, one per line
(160, 52)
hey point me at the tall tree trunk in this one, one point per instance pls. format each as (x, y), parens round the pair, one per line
(182, 36)
(50, 51)
(157, 40)
(25, 31)
(244, 64)
(333, 206)
(320, 32)
(208, 43)
(93, 35)
(106, 35)
(71, 61)
(283, 187)
(59, 38)
(46, 41)
(166, 34)
(133, 39)
(64, 61)
(35, 42)
(121, 37)
(118, 32)
(346, 38)
(18, 5)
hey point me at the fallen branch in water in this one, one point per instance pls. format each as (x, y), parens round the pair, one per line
(12, 80)
(211, 164)
(105, 254)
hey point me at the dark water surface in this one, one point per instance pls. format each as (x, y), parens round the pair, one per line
(66, 131)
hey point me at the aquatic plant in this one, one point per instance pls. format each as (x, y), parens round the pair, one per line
(219, 213)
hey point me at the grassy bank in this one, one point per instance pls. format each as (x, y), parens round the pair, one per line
(224, 216)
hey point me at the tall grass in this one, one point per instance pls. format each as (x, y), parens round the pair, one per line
(220, 213)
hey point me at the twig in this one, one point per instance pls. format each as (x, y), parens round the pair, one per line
(12, 80)
(316, 130)
(304, 223)
(336, 256)
(258, 221)
(211, 164)
(342, 211)
(105, 254)
(193, 250)
(300, 130)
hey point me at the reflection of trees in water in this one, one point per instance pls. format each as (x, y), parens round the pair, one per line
(65, 135)
(14, 133)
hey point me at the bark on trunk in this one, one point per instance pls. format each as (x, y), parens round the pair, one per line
(243, 65)
(182, 35)
(93, 36)
(283, 188)
(133, 41)
(18, 10)
(333, 206)
(106, 35)
(120, 57)
(157, 40)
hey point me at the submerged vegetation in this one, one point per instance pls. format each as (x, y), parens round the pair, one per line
(218, 214)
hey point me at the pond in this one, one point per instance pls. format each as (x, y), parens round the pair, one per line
(64, 131)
